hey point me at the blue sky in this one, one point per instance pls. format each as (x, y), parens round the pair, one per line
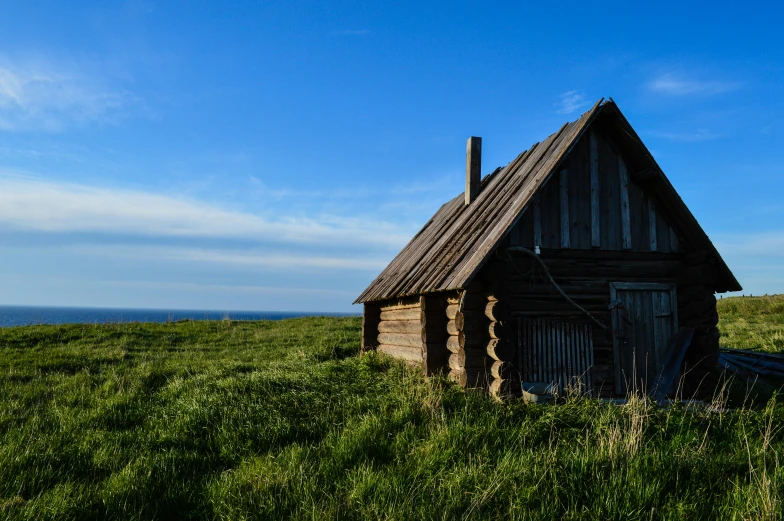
(276, 155)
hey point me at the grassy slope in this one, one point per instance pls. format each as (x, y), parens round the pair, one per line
(752, 322)
(274, 420)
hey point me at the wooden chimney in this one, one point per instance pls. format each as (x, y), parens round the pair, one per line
(473, 168)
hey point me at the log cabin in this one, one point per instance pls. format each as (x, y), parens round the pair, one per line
(576, 266)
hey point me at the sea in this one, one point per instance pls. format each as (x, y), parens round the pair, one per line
(32, 315)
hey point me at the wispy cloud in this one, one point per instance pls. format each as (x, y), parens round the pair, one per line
(674, 84)
(700, 134)
(230, 288)
(253, 259)
(36, 95)
(439, 185)
(571, 101)
(41, 205)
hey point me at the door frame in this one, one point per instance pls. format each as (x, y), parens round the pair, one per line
(636, 286)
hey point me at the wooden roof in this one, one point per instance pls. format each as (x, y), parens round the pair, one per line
(449, 250)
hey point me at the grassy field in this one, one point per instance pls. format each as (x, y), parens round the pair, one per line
(282, 420)
(752, 322)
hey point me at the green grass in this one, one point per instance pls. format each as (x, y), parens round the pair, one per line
(752, 322)
(282, 420)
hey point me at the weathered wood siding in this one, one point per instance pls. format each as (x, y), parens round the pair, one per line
(596, 226)
(592, 204)
(413, 329)
(585, 275)
(400, 329)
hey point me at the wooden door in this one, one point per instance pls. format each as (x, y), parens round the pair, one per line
(644, 320)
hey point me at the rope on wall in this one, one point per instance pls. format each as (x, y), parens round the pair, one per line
(552, 281)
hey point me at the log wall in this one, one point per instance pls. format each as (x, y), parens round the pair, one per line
(468, 328)
(504, 373)
(399, 329)
(504, 376)
(413, 329)
(585, 276)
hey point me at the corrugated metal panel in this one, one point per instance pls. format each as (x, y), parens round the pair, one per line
(557, 353)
